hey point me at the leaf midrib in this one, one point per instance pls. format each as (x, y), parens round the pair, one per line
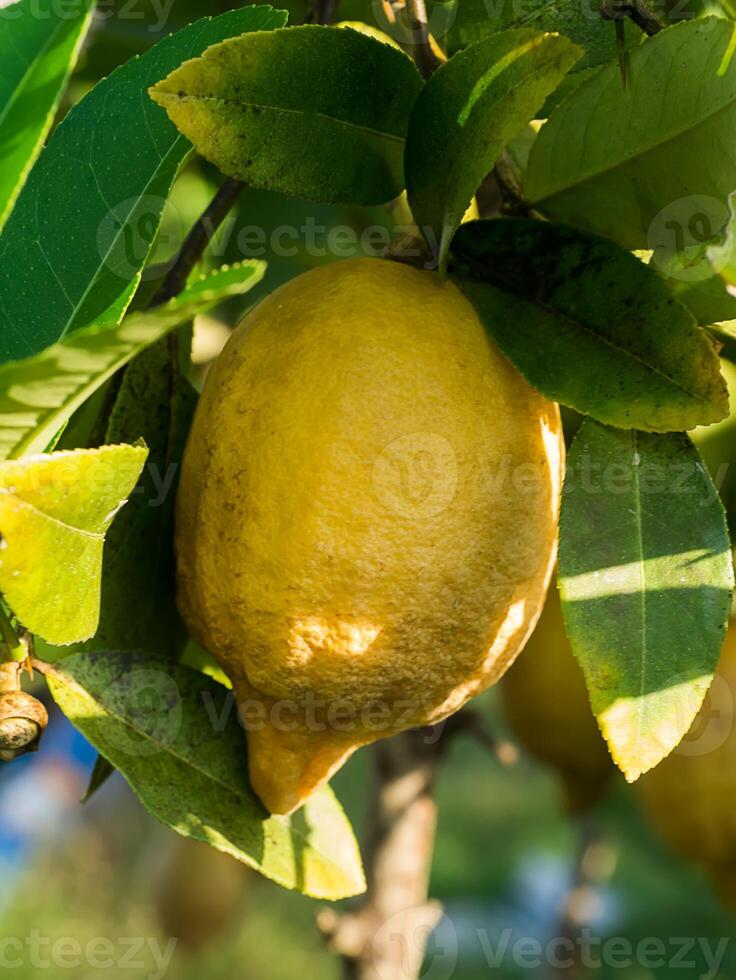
(30, 68)
(242, 104)
(92, 535)
(643, 591)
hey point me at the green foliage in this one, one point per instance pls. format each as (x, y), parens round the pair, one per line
(329, 127)
(590, 325)
(54, 512)
(645, 580)
(476, 19)
(722, 256)
(156, 404)
(337, 117)
(637, 163)
(173, 734)
(465, 115)
(39, 48)
(38, 395)
(79, 236)
(691, 278)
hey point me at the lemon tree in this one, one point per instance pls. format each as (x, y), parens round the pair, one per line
(236, 574)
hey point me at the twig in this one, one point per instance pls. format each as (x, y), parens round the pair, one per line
(197, 241)
(636, 10)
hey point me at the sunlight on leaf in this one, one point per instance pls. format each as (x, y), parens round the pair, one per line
(54, 512)
(465, 115)
(38, 395)
(645, 576)
(174, 735)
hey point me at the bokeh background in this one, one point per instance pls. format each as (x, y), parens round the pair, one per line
(506, 865)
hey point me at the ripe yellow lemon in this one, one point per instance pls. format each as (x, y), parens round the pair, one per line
(366, 516)
(546, 704)
(690, 797)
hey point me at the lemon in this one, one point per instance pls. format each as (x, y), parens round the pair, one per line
(366, 515)
(546, 704)
(690, 796)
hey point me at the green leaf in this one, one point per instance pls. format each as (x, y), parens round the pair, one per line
(74, 246)
(40, 48)
(645, 580)
(691, 278)
(38, 395)
(138, 608)
(477, 19)
(467, 112)
(590, 325)
(640, 163)
(173, 734)
(54, 512)
(314, 112)
(101, 772)
(722, 256)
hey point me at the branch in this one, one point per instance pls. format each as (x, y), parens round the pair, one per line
(197, 241)
(386, 935)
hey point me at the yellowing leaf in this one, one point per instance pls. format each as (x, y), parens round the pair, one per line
(327, 124)
(153, 720)
(54, 512)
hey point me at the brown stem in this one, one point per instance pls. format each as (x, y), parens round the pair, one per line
(636, 10)
(420, 46)
(197, 241)
(387, 933)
